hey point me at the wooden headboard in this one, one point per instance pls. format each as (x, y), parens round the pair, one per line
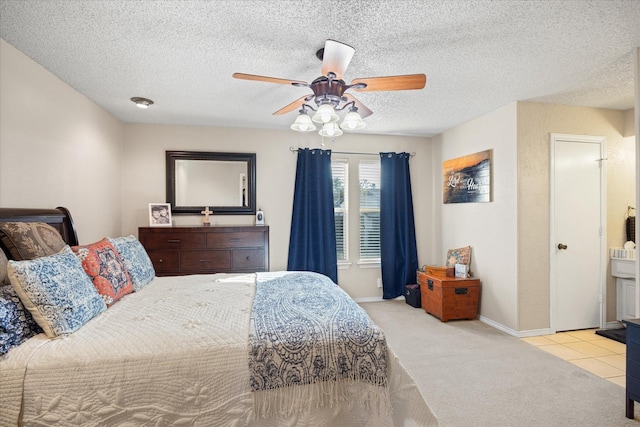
(59, 218)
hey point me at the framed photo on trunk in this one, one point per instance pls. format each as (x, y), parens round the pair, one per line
(159, 214)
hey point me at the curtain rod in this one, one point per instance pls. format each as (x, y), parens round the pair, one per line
(295, 150)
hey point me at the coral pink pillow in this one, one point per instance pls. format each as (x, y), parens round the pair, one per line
(104, 267)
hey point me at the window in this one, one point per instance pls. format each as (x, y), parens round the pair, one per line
(369, 180)
(340, 174)
(368, 209)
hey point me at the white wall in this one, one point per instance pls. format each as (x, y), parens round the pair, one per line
(143, 175)
(510, 236)
(57, 148)
(535, 123)
(490, 228)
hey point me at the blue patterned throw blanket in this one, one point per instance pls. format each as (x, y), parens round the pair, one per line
(311, 345)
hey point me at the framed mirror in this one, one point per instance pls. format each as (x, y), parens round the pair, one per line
(225, 182)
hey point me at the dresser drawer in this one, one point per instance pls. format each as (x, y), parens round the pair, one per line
(205, 261)
(248, 259)
(174, 240)
(242, 239)
(164, 261)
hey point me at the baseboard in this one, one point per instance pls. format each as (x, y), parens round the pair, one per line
(513, 332)
(375, 299)
(368, 299)
(535, 332)
(483, 319)
(614, 325)
(499, 326)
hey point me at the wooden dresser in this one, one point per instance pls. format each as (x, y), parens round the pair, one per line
(200, 250)
(449, 298)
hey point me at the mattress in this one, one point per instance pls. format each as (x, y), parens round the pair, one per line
(177, 353)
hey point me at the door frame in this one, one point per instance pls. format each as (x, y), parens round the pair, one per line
(601, 140)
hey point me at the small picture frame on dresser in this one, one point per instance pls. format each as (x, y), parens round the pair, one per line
(159, 214)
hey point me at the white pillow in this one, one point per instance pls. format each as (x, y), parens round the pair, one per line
(56, 291)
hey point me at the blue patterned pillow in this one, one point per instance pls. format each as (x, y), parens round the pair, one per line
(57, 292)
(16, 323)
(136, 260)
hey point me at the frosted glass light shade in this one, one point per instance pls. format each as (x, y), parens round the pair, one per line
(325, 114)
(352, 121)
(330, 130)
(303, 123)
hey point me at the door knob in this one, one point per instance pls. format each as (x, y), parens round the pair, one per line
(561, 246)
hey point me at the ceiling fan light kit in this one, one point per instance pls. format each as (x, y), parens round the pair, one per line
(303, 123)
(329, 92)
(352, 121)
(330, 130)
(325, 114)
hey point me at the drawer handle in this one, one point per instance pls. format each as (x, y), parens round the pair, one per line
(205, 260)
(430, 284)
(173, 240)
(235, 239)
(248, 258)
(160, 260)
(461, 291)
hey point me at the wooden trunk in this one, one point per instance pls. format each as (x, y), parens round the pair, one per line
(449, 298)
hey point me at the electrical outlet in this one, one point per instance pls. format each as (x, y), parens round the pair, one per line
(379, 282)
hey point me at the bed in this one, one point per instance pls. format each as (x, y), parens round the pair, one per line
(260, 349)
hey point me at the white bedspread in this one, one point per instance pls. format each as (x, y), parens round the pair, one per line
(174, 353)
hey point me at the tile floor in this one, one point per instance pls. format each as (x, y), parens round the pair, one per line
(601, 356)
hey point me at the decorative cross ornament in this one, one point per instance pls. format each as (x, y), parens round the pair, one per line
(206, 212)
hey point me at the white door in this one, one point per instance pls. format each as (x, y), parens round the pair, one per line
(577, 175)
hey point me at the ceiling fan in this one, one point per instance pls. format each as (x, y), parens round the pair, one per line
(329, 92)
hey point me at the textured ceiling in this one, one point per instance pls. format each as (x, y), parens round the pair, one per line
(477, 55)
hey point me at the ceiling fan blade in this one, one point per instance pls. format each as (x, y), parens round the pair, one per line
(407, 82)
(363, 110)
(243, 76)
(336, 58)
(293, 106)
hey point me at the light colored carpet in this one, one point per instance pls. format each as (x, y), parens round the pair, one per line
(472, 374)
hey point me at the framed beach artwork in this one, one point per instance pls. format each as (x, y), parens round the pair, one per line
(467, 179)
(159, 214)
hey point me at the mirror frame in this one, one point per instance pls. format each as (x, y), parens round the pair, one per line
(249, 158)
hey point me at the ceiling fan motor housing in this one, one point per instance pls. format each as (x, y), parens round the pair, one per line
(327, 90)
